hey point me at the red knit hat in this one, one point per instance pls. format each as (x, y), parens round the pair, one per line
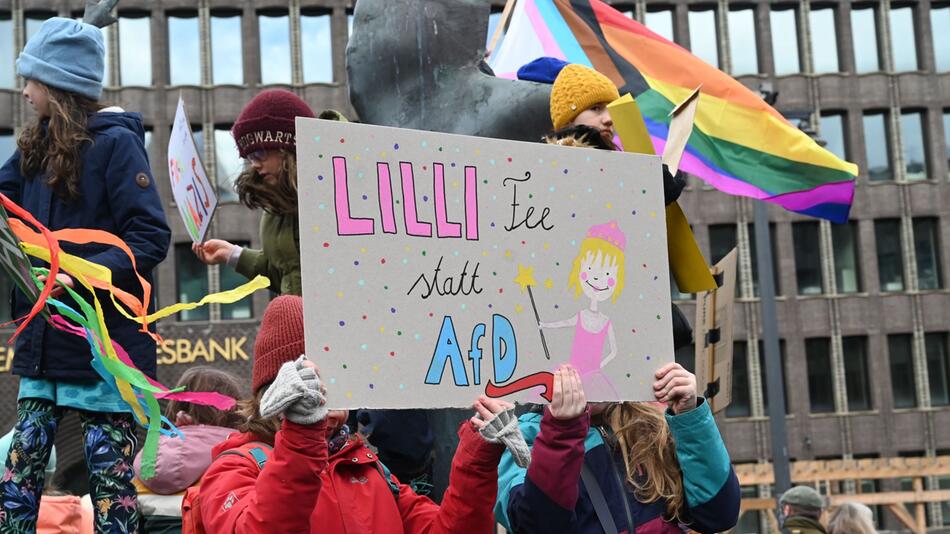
(267, 121)
(279, 340)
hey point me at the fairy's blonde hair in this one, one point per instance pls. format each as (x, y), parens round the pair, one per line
(599, 249)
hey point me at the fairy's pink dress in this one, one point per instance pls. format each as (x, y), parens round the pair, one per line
(586, 355)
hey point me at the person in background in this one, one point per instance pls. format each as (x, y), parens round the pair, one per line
(182, 460)
(851, 518)
(802, 507)
(79, 165)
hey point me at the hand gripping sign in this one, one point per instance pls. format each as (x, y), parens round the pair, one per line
(437, 266)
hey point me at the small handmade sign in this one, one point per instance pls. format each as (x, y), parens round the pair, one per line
(437, 267)
(191, 188)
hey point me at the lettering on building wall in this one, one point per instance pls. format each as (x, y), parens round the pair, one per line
(177, 351)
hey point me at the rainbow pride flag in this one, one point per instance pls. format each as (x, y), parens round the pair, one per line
(740, 145)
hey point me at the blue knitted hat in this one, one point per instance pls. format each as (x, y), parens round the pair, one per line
(65, 54)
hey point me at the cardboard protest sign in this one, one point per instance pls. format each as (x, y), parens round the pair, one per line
(430, 259)
(713, 335)
(191, 188)
(14, 261)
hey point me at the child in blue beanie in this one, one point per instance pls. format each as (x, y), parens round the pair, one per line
(79, 166)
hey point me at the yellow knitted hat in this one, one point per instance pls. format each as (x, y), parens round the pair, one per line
(576, 89)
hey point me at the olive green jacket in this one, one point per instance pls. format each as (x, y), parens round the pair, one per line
(279, 257)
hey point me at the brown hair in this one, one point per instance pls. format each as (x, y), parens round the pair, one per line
(649, 454)
(207, 379)
(57, 147)
(280, 199)
(265, 429)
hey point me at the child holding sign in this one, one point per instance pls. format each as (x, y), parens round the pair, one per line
(79, 166)
(620, 467)
(298, 466)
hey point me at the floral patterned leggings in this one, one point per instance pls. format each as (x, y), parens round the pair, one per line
(109, 440)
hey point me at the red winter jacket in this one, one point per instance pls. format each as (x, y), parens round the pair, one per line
(301, 490)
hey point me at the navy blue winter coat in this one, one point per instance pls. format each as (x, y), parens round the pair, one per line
(117, 194)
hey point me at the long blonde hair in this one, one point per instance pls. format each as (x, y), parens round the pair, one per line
(57, 148)
(279, 199)
(851, 518)
(649, 454)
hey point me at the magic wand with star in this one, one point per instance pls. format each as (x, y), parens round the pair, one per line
(525, 279)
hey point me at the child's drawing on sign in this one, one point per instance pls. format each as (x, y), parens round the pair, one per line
(598, 274)
(190, 185)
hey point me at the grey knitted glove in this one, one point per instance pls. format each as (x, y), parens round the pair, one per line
(295, 393)
(503, 428)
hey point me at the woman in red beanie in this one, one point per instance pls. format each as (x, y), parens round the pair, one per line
(297, 469)
(265, 137)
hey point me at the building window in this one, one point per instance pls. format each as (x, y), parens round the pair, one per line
(946, 136)
(784, 41)
(938, 368)
(7, 73)
(7, 144)
(316, 46)
(274, 27)
(877, 147)
(755, 261)
(702, 35)
(660, 22)
(349, 24)
(926, 246)
(227, 65)
(940, 29)
(864, 30)
(147, 141)
(902, 370)
(821, 396)
(135, 58)
(856, 373)
(230, 279)
(903, 39)
(890, 266)
(184, 49)
(742, 48)
(912, 142)
(228, 163)
(741, 404)
(831, 128)
(192, 277)
(806, 239)
(824, 46)
(844, 242)
(33, 20)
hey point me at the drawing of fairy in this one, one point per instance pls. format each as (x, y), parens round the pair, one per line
(598, 273)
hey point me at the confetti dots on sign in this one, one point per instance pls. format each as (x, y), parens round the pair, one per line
(549, 283)
(326, 349)
(519, 308)
(342, 140)
(392, 310)
(326, 245)
(396, 146)
(342, 323)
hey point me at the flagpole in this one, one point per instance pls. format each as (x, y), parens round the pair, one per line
(500, 29)
(537, 317)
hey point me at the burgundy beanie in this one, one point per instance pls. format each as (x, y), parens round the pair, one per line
(267, 121)
(279, 340)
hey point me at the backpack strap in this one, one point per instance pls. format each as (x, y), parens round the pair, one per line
(598, 500)
(388, 477)
(256, 451)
